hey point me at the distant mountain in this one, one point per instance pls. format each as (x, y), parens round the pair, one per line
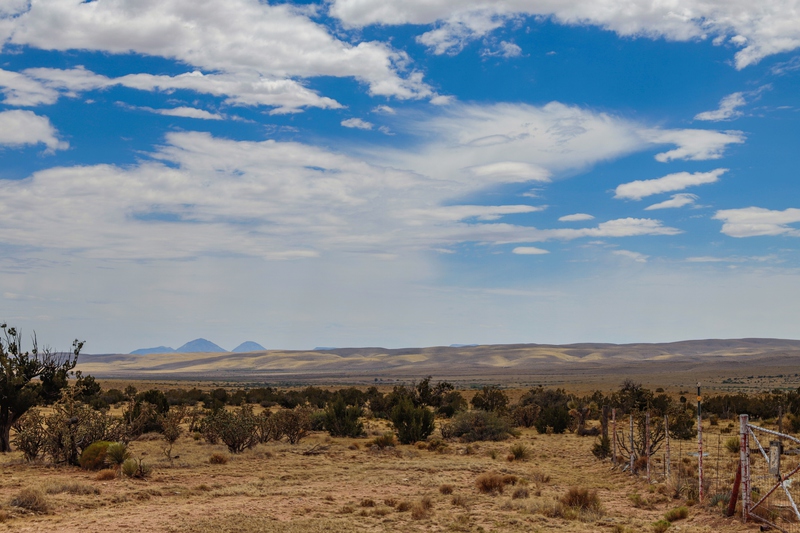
(157, 349)
(324, 348)
(249, 346)
(200, 346)
(463, 345)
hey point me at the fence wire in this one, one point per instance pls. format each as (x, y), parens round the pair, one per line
(775, 488)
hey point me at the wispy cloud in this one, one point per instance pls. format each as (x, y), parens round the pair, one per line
(529, 250)
(636, 190)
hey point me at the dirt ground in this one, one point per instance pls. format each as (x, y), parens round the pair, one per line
(347, 485)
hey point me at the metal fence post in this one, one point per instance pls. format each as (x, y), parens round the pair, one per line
(699, 446)
(744, 460)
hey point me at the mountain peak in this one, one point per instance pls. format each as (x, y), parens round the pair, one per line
(249, 346)
(199, 346)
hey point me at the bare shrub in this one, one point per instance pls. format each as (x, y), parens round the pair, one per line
(294, 423)
(419, 511)
(581, 499)
(106, 474)
(218, 459)
(519, 493)
(31, 499)
(491, 483)
(446, 489)
(540, 477)
(459, 501)
(171, 427)
(367, 502)
(403, 506)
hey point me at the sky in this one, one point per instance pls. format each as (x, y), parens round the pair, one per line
(397, 174)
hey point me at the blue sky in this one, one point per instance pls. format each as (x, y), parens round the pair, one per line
(362, 172)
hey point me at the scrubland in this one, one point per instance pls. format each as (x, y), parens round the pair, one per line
(553, 483)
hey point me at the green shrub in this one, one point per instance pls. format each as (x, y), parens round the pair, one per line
(471, 426)
(294, 424)
(490, 398)
(94, 456)
(117, 452)
(661, 526)
(341, 420)
(679, 513)
(602, 448)
(732, 444)
(555, 417)
(411, 423)
(385, 441)
(135, 468)
(31, 435)
(520, 452)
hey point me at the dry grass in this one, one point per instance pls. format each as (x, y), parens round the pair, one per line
(106, 474)
(70, 487)
(293, 493)
(446, 489)
(31, 499)
(218, 459)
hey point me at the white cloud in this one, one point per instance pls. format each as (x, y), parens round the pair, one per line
(636, 190)
(728, 109)
(729, 106)
(529, 250)
(385, 109)
(202, 195)
(21, 128)
(189, 112)
(759, 30)
(693, 145)
(677, 200)
(757, 221)
(276, 42)
(44, 85)
(577, 217)
(504, 49)
(357, 123)
(20, 90)
(633, 256)
(461, 28)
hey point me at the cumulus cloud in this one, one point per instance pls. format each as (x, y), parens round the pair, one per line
(758, 30)
(44, 85)
(757, 221)
(636, 190)
(357, 123)
(20, 128)
(577, 217)
(677, 200)
(272, 41)
(529, 250)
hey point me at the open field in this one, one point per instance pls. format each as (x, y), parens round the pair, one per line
(347, 485)
(722, 365)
